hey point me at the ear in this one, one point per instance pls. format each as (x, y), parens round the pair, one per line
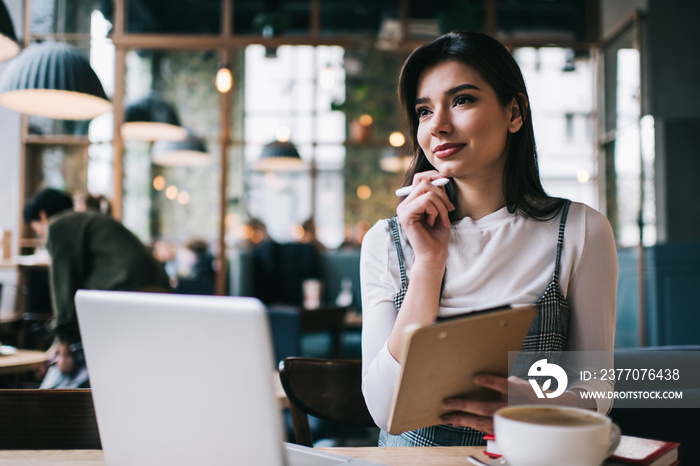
(517, 114)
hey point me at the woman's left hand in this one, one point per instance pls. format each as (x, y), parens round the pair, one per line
(479, 414)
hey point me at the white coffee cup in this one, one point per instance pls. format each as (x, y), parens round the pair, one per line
(543, 435)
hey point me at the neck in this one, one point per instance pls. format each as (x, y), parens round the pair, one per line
(479, 198)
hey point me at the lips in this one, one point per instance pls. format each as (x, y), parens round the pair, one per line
(446, 150)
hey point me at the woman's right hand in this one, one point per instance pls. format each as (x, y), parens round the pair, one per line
(423, 214)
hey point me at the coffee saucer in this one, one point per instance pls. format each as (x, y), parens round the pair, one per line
(498, 462)
(6, 350)
(503, 462)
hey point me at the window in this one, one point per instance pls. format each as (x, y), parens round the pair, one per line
(289, 97)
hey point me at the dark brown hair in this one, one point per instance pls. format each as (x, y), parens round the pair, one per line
(522, 187)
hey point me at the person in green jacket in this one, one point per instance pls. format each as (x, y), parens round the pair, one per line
(91, 251)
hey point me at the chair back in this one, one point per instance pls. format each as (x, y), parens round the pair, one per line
(329, 389)
(327, 319)
(48, 419)
(285, 328)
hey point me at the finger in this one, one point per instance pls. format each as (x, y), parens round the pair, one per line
(436, 208)
(430, 214)
(426, 186)
(428, 175)
(416, 211)
(426, 207)
(482, 423)
(494, 382)
(424, 179)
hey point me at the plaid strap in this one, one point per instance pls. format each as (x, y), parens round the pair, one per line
(560, 239)
(550, 328)
(401, 294)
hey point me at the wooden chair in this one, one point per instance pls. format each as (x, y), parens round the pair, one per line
(48, 419)
(328, 389)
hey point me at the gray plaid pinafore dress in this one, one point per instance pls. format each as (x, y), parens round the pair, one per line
(548, 333)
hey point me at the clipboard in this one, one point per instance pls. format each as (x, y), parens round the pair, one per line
(440, 361)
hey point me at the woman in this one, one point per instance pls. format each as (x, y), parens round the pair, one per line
(491, 237)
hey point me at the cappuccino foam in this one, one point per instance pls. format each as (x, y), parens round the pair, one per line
(552, 417)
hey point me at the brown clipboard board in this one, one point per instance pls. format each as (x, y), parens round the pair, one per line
(440, 361)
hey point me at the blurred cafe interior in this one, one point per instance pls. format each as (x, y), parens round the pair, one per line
(251, 144)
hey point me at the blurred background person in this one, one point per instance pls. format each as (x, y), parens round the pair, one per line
(91, 251)
(199, 274)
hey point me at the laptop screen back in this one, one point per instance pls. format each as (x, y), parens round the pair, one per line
(181, 380)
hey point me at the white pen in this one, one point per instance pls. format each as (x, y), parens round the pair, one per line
(406, 190)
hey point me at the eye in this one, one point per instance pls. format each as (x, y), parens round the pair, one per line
(422, 111)
(463, 99)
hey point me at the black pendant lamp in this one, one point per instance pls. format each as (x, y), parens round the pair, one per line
(280, 156)
(190, 152)
(152, 118)
(54, 80)
(8, 40)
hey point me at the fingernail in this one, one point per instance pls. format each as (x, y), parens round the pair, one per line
(479, 379)
(449, 403)
(446, 421)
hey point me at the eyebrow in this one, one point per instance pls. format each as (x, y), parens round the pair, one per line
(449, 92)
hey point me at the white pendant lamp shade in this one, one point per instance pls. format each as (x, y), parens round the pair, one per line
(8, 40)
(190, 152)
(53, 80)
(152, 118)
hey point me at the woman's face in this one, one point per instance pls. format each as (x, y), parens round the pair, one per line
(462, 128)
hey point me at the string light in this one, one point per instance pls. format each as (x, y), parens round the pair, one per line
(397, 139)
(171, 192)
(365, 120)
(364, 192)
(183, 198)
(159, 183)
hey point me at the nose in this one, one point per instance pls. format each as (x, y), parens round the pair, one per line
(440, 123)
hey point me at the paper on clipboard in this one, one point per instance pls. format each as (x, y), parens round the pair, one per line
(439, 361)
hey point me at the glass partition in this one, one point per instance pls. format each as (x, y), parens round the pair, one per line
(169, 202)
(624, 149)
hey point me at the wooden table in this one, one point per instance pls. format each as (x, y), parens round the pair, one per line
(22, 361)
(281, 396)
(412, 456)
(404, 456)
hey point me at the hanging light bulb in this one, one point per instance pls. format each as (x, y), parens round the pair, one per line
(224, 80)
(327, 77)
(283, 133)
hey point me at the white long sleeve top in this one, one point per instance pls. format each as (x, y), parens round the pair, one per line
(502, 258)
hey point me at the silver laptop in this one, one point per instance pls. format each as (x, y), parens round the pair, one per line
(185, 380)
